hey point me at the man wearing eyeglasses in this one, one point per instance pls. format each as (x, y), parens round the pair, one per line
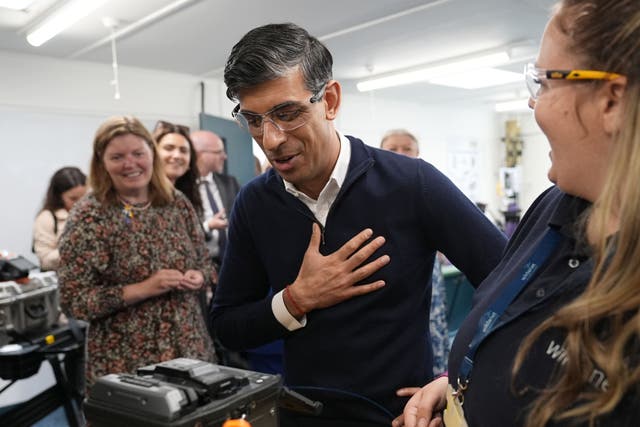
(332, 249)
(217, 190)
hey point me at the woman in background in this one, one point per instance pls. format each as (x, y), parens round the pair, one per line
(134, 259)
(179, 158)
(553, 338)
(66, 187)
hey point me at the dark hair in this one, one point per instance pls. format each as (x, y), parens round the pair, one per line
(62, 180)
(272, 51)
(187, 183)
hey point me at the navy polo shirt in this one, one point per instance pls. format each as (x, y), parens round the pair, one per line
(489, 399)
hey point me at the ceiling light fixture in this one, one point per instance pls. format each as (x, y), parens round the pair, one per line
(476, 79)
(471, 73)
(516, 105)
(61, 19)
(16, 4)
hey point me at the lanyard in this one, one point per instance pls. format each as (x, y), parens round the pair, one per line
(488, 321)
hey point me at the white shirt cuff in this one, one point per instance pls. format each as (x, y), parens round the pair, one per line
(282, 314)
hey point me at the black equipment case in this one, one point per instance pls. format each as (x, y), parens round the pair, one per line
(184, 393)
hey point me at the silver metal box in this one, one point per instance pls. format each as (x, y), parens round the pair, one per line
(30, 308)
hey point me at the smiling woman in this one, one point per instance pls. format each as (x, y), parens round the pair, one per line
(175, 154)
(178, 156)
(128, 160)
(133, 258)
(560, 346)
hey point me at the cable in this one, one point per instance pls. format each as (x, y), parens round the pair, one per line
(7, 386)
(347, 393)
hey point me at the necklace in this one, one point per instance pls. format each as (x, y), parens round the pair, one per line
(128, 209)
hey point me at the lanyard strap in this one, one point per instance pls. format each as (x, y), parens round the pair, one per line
(488, 321)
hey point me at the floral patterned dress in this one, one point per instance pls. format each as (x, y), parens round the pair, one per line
(438, 321)
(102, 250)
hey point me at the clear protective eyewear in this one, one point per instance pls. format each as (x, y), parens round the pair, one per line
(285, 117)
(534, 77)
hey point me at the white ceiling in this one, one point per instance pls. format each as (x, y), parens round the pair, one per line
(366, 37)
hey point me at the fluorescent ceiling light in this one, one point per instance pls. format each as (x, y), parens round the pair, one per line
(476, 79)
(430, 73)
(16, 4)
(62, 19)
(517, 105)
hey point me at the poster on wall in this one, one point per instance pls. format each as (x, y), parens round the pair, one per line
(462, 165)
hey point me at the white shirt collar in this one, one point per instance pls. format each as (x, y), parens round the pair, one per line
(339, 173)
(208, 178)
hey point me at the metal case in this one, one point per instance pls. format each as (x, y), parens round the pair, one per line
(30, 308)
(196, 394)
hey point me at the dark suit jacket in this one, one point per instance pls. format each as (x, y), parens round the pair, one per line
(228, 187)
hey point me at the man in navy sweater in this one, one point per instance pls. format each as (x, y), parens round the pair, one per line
(333, 248)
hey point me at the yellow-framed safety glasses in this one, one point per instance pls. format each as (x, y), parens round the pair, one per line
(534, 76)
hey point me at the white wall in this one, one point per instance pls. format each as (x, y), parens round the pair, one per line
(49, 111)
(447, 129)
(443, 131)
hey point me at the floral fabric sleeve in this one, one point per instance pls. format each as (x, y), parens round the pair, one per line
(84, 257)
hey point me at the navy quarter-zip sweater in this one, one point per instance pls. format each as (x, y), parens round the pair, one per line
(370, 345)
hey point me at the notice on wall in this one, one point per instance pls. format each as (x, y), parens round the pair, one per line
(462, 165)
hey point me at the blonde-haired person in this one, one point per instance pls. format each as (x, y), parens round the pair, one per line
(564, 351)
(133, 258)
